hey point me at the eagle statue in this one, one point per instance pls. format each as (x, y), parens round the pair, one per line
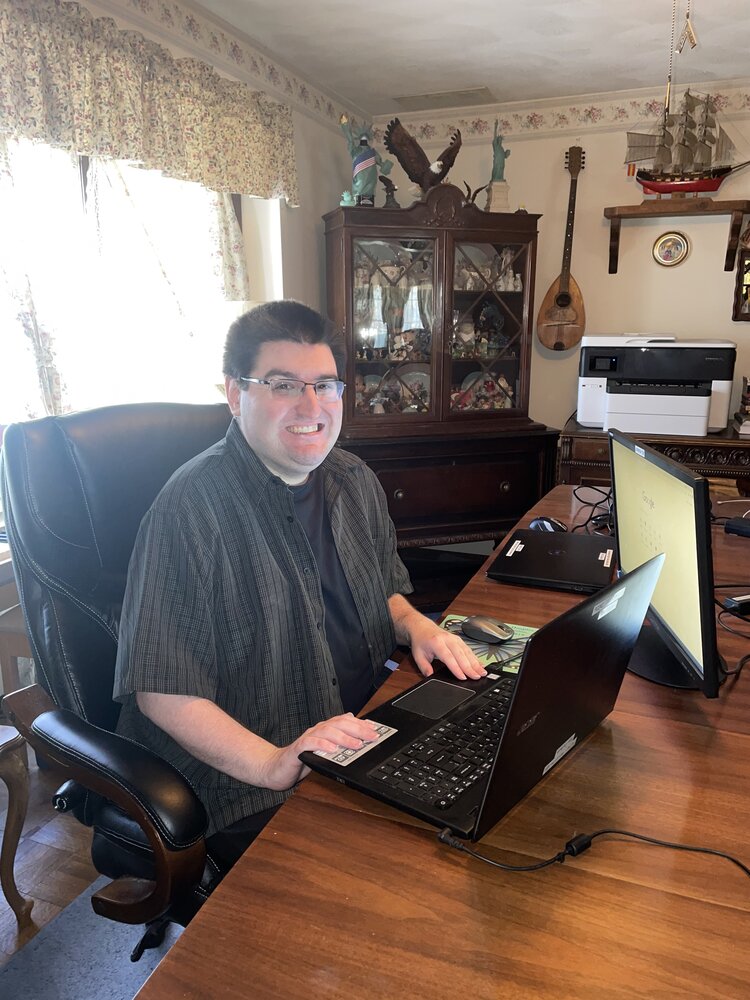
(413, 158)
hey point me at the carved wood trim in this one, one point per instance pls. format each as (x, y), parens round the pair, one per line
(709, 457)
(443, 207)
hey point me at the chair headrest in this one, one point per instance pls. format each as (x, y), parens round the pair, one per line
(77, 486)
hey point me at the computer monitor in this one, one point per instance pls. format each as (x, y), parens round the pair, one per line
(661, 506)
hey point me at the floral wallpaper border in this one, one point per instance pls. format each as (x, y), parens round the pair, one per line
(591, 112)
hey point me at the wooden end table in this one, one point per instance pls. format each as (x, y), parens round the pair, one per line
(15, 773)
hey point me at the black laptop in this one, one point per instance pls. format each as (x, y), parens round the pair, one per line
(561, 560)
(460, 754)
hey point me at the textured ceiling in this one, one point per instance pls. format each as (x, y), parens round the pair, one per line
(373, 54)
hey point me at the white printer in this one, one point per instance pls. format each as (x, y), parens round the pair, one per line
(655, 384)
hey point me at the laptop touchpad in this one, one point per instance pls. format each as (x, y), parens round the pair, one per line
(433, 699)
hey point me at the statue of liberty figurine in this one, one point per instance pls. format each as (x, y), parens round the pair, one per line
(497, 189)
(499, 156)
(367, 163)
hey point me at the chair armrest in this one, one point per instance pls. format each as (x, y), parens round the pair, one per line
(141, 783)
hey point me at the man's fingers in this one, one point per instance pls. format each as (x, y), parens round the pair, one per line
(460, 660)
(341, 731)
(424, 665)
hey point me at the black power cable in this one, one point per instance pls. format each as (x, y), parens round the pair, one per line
(580, 843)
(725, 613)
(595, 521)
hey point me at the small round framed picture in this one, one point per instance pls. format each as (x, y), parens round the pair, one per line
(671, 249)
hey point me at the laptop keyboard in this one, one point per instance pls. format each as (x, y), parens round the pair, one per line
(447, 760)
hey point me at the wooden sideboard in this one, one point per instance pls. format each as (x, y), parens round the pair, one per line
(460, 489)
(455, 490)
(583, 455)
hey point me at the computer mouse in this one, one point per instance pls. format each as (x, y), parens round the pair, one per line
(482, 628)
(547, 524)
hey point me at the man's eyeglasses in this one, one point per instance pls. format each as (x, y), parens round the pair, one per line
(326, 389)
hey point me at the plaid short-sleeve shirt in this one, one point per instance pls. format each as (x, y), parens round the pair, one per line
(224, 602)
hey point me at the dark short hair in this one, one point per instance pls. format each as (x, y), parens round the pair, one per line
(284, 319)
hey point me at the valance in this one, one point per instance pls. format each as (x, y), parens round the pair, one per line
(82, 84)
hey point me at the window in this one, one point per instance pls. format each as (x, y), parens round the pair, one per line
(114, 287)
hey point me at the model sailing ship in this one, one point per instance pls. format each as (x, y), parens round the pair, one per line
(690, 152)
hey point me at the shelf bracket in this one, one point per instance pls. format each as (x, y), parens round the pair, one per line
(735, 226)
(614, 244)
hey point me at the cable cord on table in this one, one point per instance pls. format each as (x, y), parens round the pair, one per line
(580, 843)
(595, 522)
(724, 613)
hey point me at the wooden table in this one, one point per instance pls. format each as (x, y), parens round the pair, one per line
(342, 897)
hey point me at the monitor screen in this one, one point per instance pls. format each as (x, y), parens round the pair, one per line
(661, 506)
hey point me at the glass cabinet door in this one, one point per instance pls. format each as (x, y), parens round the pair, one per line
(393, 317)
(487, 326)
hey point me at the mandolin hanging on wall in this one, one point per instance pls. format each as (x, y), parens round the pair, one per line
(562, 317)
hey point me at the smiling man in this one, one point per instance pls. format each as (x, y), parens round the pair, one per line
(265, 592)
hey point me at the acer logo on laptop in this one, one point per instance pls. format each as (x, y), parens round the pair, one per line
(528, 724)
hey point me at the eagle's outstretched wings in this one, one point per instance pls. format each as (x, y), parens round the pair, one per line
(407, 151)
(449, 154)
(413, 158)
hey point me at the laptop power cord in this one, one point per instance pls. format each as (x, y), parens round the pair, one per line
(580, 843)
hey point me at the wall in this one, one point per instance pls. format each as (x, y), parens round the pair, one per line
(284, 245)
(261, 233)
(692, 300)
(324, 171)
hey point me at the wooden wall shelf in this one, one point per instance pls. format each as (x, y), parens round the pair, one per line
(672, 207)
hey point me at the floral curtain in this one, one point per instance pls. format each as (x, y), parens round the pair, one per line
(80, 83)
(230, 256)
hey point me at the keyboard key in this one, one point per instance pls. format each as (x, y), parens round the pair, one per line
(442, 764)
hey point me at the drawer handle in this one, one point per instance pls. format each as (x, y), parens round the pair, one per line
(398, 494)
(505, 486)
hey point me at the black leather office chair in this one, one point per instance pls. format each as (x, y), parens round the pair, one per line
(74, 491)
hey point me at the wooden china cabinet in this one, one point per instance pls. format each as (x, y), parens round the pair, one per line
(436, 302)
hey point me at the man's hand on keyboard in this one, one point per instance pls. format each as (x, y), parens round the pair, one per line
(340, 732)
(430, 642)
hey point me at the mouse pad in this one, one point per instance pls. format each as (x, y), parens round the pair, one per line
(505, 656)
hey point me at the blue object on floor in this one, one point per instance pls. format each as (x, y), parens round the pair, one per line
(81, 956)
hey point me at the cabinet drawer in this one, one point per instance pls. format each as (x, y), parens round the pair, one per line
(589, 450)
(462, 492)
